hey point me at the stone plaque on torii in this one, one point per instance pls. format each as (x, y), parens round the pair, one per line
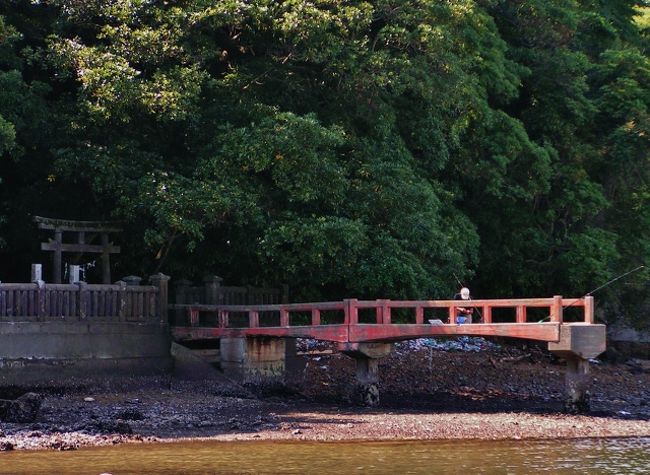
(85, 233)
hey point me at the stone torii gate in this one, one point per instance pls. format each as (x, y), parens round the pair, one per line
(86, 232)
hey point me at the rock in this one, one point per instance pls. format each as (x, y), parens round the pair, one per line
(6, 446)
(365, 394)
(24, 409)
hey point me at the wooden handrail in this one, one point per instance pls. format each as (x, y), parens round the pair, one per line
(291, 307)
(383, 308)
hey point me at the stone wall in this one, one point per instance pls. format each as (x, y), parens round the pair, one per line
(47, 351)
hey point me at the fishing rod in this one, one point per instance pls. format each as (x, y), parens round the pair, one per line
(470, 298)
(613, 280)
(606, 284)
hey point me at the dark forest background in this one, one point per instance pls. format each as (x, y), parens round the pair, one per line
(347, 148)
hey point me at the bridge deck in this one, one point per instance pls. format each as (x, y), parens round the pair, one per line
(383, 328)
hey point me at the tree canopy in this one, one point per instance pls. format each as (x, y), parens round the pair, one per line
(348, 148)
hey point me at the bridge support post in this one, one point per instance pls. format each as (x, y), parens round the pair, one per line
(577, 384)
(578, 343)
(365, 389)
(260, 361)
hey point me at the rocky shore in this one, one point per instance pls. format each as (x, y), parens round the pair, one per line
(427, 392)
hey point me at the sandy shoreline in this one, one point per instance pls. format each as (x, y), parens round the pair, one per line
(426, 395)
(327, 424)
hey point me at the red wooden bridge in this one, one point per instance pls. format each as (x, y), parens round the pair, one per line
(283, 320)
(252, 337)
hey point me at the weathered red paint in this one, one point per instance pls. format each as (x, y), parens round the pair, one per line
(419, 315)
(372, 333)
(253, 319)
(337, 333)
(487, 314)
(521, 314)
(353, 332)
(315, 316)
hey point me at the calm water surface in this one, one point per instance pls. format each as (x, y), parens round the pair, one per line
(592, 456)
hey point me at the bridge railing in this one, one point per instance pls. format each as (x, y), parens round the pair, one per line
(555, 306)
(384, 310)
(254, 311)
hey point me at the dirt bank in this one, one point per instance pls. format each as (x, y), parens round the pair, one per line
(509, 392)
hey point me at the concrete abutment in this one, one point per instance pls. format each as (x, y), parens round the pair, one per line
(262, 361)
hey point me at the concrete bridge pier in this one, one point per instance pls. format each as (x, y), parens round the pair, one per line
(365, 389)
(578, 343)
(255, 360)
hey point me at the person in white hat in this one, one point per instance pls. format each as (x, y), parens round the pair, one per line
(463, 314)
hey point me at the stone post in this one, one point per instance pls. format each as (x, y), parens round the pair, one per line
(37, 272)
(37, 278)
(161, 281)
(365, 390)
(212, 284)
(180, 290)
(40, 299)
(73, 276)
(132, 280)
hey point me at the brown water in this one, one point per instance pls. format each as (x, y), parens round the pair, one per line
(592, 456)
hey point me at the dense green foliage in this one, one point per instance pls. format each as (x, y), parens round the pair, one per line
(367, 148)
